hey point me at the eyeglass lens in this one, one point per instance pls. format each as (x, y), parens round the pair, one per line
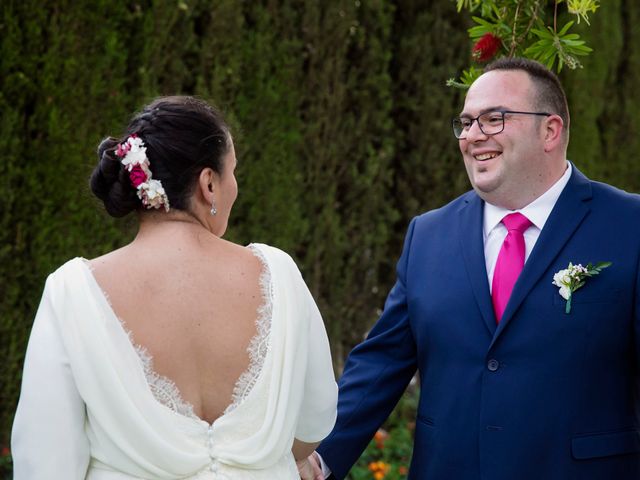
(490, 123)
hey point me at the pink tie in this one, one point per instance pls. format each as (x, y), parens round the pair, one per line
(510, 261)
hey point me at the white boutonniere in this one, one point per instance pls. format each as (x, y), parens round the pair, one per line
(573, 277)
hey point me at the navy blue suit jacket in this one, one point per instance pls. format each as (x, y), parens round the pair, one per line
(544, 395)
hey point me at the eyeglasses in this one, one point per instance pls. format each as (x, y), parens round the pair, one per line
(490, 123)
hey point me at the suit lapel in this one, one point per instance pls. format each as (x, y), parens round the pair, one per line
(570, 209)
(470, 234)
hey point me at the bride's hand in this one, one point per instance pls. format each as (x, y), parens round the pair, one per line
(309, 468)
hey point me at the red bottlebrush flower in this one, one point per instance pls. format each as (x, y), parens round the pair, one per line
(486, 47)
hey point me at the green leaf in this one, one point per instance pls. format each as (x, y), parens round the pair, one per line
(482, 21)
(582, 50)
(478, 31)
(466, 79)
(452, 82)
(572, 43)
(565, 28)
(542, 33)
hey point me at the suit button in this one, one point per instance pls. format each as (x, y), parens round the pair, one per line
(493, 365)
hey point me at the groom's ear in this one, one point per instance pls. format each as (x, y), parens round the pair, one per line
(553, 129)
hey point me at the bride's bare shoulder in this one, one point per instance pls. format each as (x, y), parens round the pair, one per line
(109, 259)
(238, 257)
(224, 257)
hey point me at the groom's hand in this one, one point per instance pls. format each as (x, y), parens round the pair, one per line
(309, 468)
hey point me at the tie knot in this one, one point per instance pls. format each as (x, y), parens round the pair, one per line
(516, 221)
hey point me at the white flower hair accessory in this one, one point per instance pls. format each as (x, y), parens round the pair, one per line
(574, 277)
(133, 155)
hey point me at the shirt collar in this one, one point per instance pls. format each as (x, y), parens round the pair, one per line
(537, 211)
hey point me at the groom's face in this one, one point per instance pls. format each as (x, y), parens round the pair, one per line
(503, 168)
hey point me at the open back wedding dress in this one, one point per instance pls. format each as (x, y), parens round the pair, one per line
(91, 406)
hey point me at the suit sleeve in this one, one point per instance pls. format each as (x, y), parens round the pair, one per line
(375, 376)
(48, 439)
(637, 326)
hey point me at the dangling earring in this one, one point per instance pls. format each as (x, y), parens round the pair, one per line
(214, 210)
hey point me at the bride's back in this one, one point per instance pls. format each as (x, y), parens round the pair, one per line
(192, 302)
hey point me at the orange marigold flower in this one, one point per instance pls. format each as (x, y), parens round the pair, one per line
(486, 47)
(379, 467)
(381, 434)
(378, 475)
(380, 437)
(403, 470)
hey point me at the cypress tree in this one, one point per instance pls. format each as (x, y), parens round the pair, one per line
(53, 100)
(592, 89)
(431, 46)
(347, 149)
(339, 112)
(266, 108)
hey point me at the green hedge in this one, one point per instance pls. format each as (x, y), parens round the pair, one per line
(340, 114)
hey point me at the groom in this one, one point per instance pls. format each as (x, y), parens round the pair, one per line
(515, 384)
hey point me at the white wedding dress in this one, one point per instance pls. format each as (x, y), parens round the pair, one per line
(91, 406)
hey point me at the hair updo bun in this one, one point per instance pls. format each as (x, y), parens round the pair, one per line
(182, 136)
(110, 181)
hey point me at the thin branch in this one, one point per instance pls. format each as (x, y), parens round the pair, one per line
(532, 20)
(513, 30)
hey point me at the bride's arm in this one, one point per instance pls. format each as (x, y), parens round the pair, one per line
(310, 468)
(48, 439)
(302, 450)
(318, 412)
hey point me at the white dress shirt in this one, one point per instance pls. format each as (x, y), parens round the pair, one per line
(538, 211)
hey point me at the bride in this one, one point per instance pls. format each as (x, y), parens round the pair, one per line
(180, 355)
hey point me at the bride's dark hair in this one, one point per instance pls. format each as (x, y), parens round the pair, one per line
(182, 135)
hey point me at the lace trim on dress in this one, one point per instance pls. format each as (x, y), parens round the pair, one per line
(259, 345)
(166, 392)
(163, 389)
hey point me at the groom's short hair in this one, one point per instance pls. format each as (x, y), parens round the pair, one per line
(549, 95)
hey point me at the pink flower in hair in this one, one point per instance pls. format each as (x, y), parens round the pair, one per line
(133, 156)
(125, 147)
(137, 176)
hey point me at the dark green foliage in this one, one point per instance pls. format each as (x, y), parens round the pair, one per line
(431, 45)
(604, 99)
(63, 80)
(267, 106)
(339, 111)
(345, 161)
